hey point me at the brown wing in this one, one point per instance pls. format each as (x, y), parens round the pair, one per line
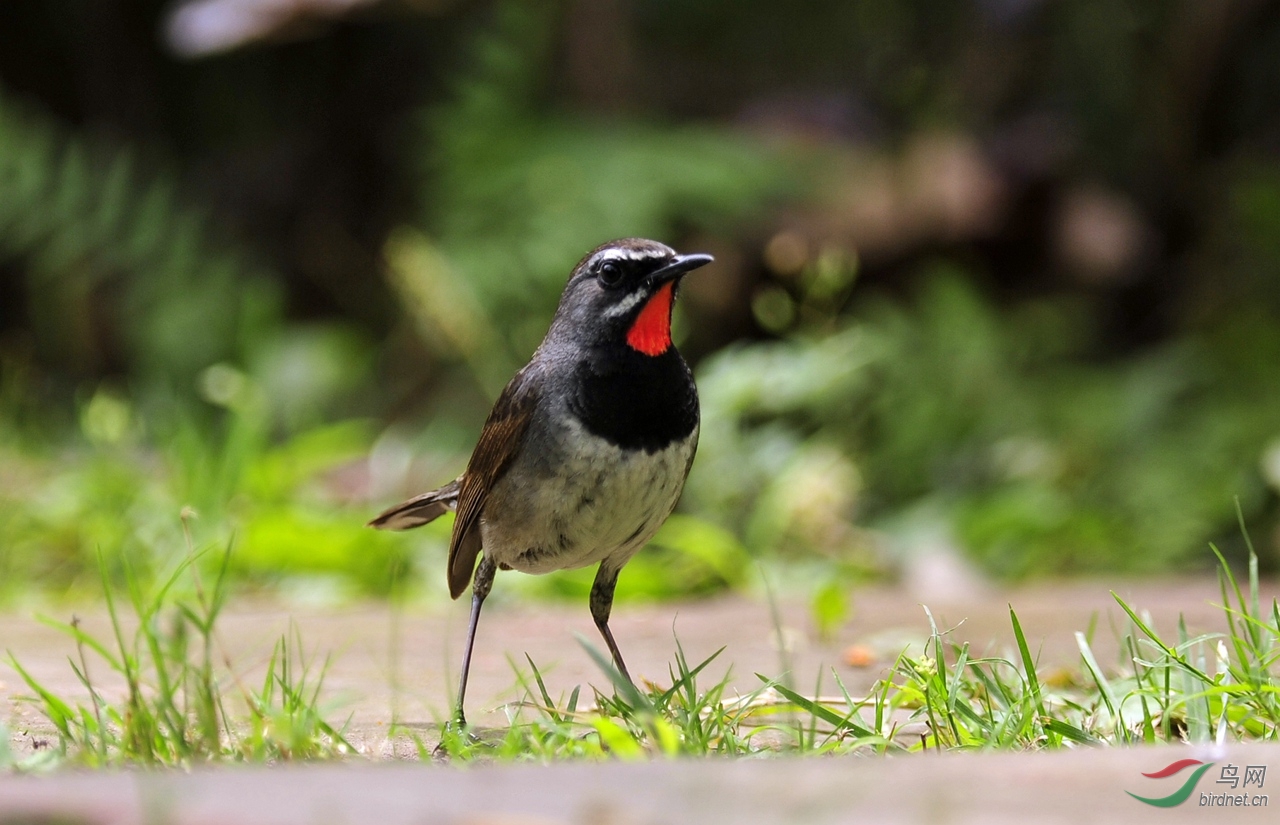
(499, 443)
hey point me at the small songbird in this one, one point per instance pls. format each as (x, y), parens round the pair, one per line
(585, 452)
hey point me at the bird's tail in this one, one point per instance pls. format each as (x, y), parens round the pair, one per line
(419, 510)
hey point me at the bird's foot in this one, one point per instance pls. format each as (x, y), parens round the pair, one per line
(455, 733)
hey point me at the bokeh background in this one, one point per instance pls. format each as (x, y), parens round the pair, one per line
(997, 281)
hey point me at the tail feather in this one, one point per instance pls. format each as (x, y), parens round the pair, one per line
(419, 510)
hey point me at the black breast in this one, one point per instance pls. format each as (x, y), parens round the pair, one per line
(635, 401)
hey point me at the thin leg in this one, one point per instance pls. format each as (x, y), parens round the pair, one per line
(601, 607)
(480, 587)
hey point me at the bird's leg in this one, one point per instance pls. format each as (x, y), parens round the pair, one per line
(480, 586)
(601, 606)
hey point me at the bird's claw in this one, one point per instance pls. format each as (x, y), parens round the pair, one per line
(453, 729)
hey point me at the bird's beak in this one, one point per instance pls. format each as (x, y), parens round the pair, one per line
(679, 266)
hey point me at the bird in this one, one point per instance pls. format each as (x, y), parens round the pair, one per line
(586, 450)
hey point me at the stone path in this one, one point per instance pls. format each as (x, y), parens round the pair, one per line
(1048, 788)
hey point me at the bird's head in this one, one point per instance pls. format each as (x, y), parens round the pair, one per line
(622, 292)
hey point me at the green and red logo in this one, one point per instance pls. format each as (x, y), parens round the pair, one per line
(1183, 793)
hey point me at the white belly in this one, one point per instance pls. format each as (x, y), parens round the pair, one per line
(574, 507)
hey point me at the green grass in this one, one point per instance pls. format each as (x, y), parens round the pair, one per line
(1218, 687)
(184, 704)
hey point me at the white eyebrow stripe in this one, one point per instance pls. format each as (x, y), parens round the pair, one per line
(617, 254)
(625, 305)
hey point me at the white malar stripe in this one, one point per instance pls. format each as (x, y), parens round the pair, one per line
(625, 305)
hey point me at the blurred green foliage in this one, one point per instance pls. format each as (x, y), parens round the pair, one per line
(273, 501)
(167, 348)
(996, 424)
(88, 220)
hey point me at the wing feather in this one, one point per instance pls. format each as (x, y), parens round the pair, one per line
(499, 443)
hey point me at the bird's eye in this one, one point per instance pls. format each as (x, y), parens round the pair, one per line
(610, 273)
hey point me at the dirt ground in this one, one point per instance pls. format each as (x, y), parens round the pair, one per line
(400, 665)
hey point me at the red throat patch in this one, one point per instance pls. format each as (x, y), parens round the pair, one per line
(651, 332)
